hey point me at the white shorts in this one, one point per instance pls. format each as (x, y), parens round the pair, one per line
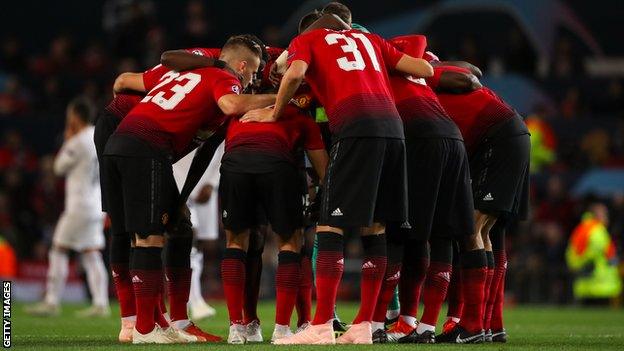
(79, 232)
(205, 218)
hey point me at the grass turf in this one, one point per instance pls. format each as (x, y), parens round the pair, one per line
(529, 328)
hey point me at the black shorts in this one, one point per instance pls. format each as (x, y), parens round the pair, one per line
(366, 182)
(440, 197)
(141, 194)
(105, 125)
(276, 194)
(500, 176)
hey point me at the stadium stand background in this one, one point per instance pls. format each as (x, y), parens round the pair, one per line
(77, 47)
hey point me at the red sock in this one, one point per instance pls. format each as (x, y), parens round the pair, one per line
(329, 268)
(487, 310)
(124, 289)
(436, 286)
(233, 278)
(391, 280)
(147, 282)
(413, 274)
(161, 309)
(473, 285)
(304, 295)
(496, 322)
(253, 273)
(373, 270)
(178, 281)
(287, 282)
(455, 299)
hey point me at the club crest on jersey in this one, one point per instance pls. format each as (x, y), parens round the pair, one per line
(236, 89)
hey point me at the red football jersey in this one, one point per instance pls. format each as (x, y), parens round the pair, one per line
(475, 112)
(178, 105)
(253, 146)
(420, 109)
(124, 102)
(347, 72)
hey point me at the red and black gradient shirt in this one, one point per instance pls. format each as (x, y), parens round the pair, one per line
(347, 72)
(479, 114)
(420, 110)
(176, 108)
(262, 147)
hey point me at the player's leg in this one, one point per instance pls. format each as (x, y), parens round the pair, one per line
(454, 297)
(205, 219)
(304, 295)
(253, 275)
(238, 202)
(390, 282)
(97, 279)
(497, 236)
(489, 256)
(287, 282)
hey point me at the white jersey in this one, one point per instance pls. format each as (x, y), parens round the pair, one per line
(210, 177)
(77, 161)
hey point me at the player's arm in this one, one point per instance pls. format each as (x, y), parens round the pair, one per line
(66, 159)
(182, 60)
(463, 64)
(129, 81)
(453, 80)
(234, 104)
(416, 67)
(290, 83)
(319, 160)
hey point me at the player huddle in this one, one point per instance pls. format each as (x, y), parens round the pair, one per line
(424, 163)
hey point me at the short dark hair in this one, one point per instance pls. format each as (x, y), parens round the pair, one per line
(264, 57)
(243, 41)
(308, 19)
(338, 9)
(83, 108)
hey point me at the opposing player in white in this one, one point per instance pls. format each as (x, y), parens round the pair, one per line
(203, 204)
(80, 227)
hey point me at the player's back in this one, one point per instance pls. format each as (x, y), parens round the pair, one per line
(177, 106)
(348, 74)
(422, 114)
(257, 145)
(476, 112)
(82, 190)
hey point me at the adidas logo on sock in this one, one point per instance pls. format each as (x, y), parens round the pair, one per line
(368, 264)
(114, 274)
(136, 279)
(445, 275)
(488, 197)
(396, 276)
(337, 212)
(340, 261)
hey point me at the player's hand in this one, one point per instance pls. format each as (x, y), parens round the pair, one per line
(274, 76)
(204, 194)
(258, 115)
(314, 208)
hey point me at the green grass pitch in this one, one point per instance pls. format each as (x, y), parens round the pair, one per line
(529, 328)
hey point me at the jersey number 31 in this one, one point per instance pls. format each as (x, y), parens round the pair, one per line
(351, 47)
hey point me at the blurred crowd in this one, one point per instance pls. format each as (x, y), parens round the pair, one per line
(581, 130)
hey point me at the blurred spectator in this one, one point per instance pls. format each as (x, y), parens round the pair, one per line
(556, 206)
(14, 154)
(198, 30)
(543, 140)
(592, 257)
